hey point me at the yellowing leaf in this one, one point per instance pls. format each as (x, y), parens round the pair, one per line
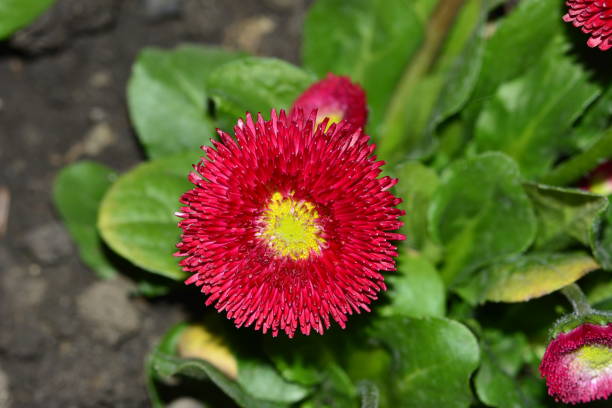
(537, 275)
(197, 342)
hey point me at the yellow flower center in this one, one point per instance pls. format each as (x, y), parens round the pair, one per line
(334, 117)
(290, 227)
(595, 356)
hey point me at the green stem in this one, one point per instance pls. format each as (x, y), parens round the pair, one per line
(437, 29)
(576, 167)
(576, 297)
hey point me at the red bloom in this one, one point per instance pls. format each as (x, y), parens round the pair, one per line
(578, 365)
(599, 181)
(336, 98)
(289, 225)
(595, 18)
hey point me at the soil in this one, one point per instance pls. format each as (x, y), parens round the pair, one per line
(67, 338)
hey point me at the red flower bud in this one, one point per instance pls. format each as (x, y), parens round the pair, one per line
(336, 98)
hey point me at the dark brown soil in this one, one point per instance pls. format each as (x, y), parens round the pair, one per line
(61, 81)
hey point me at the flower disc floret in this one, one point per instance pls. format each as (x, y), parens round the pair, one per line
(289, 226)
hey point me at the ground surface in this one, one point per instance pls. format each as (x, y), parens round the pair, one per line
(68, 339)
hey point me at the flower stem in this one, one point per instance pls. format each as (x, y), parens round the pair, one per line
(579, 165)
(576, 297)
(437, 30)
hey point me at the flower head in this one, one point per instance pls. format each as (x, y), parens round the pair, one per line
(336, 98)
(595, 18)
(289, 225)
(599, 181)
(578, 365)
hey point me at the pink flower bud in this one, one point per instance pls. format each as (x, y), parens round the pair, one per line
(335, 98)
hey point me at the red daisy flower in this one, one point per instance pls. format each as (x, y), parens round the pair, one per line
(336, 98)
(595, 18)
(599, 181)
(289, 225)
(578, 365)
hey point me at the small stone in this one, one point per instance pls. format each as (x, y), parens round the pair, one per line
(15, 65)
(248, 34)
(101, 79)
(18, 285)
(284, 4)
(106, 306)
(5, 397)
(203, 18)
(185, 402)
(34, 270)
(97, 114)
(62, 22)
(162, 9)
(48, 243)
(98, 138)
(5, 202)
(26, 340)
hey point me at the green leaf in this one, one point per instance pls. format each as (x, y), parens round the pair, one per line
(199, 353)
(496, 383)
(167, 365)
(437, 82)
(167, 97)
(301, 360)
(416, 186)
(77, 193)
(166, 347)
(15, 14)
(336, 390)
(148, 288)
(565, 215)
(461, 61)
(424, 8)
(481, 214)
(600, 293)
(433, 361)
(534, 275)
(370, 394)
(595, 121)
(369, 40)
(579, 165)
(313, 361)
(371, 364)
(510, 350)
(417, 291)
(402, 136)
(451, 137)
(256, 85)
(263, 382)
(603, 241)
(137, 214)
(496, 388)
(529, 116)
(528, 28)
